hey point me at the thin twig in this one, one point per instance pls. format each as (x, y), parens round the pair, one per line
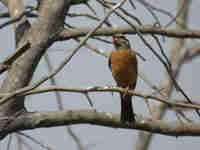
(15, 19)
(23, 142)
(9, 142)
(66, 60)
(146, 4)
(35, 141)
(168, 69)
(132, 4)
(11, 58)
(107, 89)
(175, 18)
(60, 105)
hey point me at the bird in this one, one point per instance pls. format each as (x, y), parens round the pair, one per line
(124, 67)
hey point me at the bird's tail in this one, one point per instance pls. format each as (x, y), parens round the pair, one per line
(127, 114)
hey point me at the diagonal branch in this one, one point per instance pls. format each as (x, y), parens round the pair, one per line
(144, 138)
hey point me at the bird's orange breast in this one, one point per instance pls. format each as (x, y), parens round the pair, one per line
(123, 65)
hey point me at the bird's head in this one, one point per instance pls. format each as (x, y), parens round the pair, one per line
(121, 42)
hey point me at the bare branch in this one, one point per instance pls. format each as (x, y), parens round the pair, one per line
(35, 141)
(60, 106)
(71, 117)
(145, 29)
(144, 138)
(105, 89)
(10, 59)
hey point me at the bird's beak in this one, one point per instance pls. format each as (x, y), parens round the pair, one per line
(115, 38)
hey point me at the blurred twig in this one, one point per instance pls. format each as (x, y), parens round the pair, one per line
(9, 142)
(23, 142)
(35, 141)
(144, 138)
(60, 105)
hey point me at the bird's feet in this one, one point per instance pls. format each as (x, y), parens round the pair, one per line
(125, 91)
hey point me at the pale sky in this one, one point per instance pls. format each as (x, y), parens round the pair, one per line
(88, 69)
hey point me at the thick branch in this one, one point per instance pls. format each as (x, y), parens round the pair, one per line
(72, 117)
(40, 36)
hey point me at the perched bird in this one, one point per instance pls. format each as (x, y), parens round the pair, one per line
(124, 68)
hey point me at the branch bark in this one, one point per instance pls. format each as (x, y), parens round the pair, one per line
(144, 138)
(40, 36)
(144, 29)
(85, 116)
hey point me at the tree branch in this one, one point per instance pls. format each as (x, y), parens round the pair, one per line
(40, 36)
(103, 89)
(144, 29)
(85, 116)
(144, 138)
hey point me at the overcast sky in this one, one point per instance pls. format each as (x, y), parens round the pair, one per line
(88, 69)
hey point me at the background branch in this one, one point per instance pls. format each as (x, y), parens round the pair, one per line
(144, 138)
(145, 29)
